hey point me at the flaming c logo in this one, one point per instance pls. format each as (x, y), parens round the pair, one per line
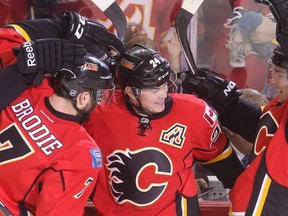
(126, 168)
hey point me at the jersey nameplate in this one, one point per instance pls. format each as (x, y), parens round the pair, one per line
(34, 127)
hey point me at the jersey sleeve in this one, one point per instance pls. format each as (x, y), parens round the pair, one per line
(59, 197)
(219, 157)
(65, 188)
(226, 166)
(12, 84)
(208, 138)
(40, 28)
(14, 34)
(233, 117)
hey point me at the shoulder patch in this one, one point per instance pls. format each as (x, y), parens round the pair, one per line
(209, 115)
(96, 157)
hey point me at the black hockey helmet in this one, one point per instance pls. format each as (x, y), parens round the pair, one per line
(279, 58)
(95, 76)
(140, 67)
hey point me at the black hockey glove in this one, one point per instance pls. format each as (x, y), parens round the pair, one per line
(90, 33)
(216, 91)
(47, 56)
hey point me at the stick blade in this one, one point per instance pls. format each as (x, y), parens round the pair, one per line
(183, 18)
(191, 5)
(182, 21)
(113, 11)
(118, 18)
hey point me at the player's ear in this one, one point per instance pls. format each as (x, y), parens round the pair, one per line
(83, 99)
(129, 92)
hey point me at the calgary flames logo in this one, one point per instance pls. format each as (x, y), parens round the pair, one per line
(126, 175)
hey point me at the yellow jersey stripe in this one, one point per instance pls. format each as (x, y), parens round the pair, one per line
(262, 195)
(21, 31)
(220, 157)
(184, 206)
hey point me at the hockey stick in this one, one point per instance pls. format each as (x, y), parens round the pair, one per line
(113, 11)
(183, 18)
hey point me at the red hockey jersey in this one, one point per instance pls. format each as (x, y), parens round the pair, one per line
(267, 126)
(152, 175)
(265, 180)
(48, 162)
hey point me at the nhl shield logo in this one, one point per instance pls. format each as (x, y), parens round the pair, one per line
(174, 136)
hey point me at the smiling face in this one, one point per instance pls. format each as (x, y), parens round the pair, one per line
(152, 100)
(280, 81)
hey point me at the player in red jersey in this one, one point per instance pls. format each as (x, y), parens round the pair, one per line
(28, 28)
(48, 163)
(150, 140)
(264, 180)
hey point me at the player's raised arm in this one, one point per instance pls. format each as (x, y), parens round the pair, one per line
(35, 59)
(223, 95)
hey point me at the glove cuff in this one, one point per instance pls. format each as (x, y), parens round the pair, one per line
(27, 59)
(74, 21)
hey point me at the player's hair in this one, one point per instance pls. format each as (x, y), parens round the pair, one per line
(141, 67)
(95, 76)
(254, 97)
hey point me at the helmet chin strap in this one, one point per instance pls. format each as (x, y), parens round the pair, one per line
(139, 109)
(144, 120)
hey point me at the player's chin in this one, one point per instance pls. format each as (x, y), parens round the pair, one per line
(157, 108)
(282, 97)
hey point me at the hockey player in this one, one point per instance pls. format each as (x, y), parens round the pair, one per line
(150, 140)
(265, 179)
(179, 140)
(48, 163)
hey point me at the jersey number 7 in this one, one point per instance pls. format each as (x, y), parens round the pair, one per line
(13, 146)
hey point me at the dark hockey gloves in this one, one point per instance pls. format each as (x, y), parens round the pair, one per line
(47, 56)
(89, 31)
(216, 91)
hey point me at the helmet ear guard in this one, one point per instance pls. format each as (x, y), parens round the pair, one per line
(136, 92)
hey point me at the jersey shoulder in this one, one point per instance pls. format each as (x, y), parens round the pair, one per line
(188, 102)
(195, 110)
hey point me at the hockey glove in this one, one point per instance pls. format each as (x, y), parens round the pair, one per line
(216, 91)
(83, 30)
(47, 56)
